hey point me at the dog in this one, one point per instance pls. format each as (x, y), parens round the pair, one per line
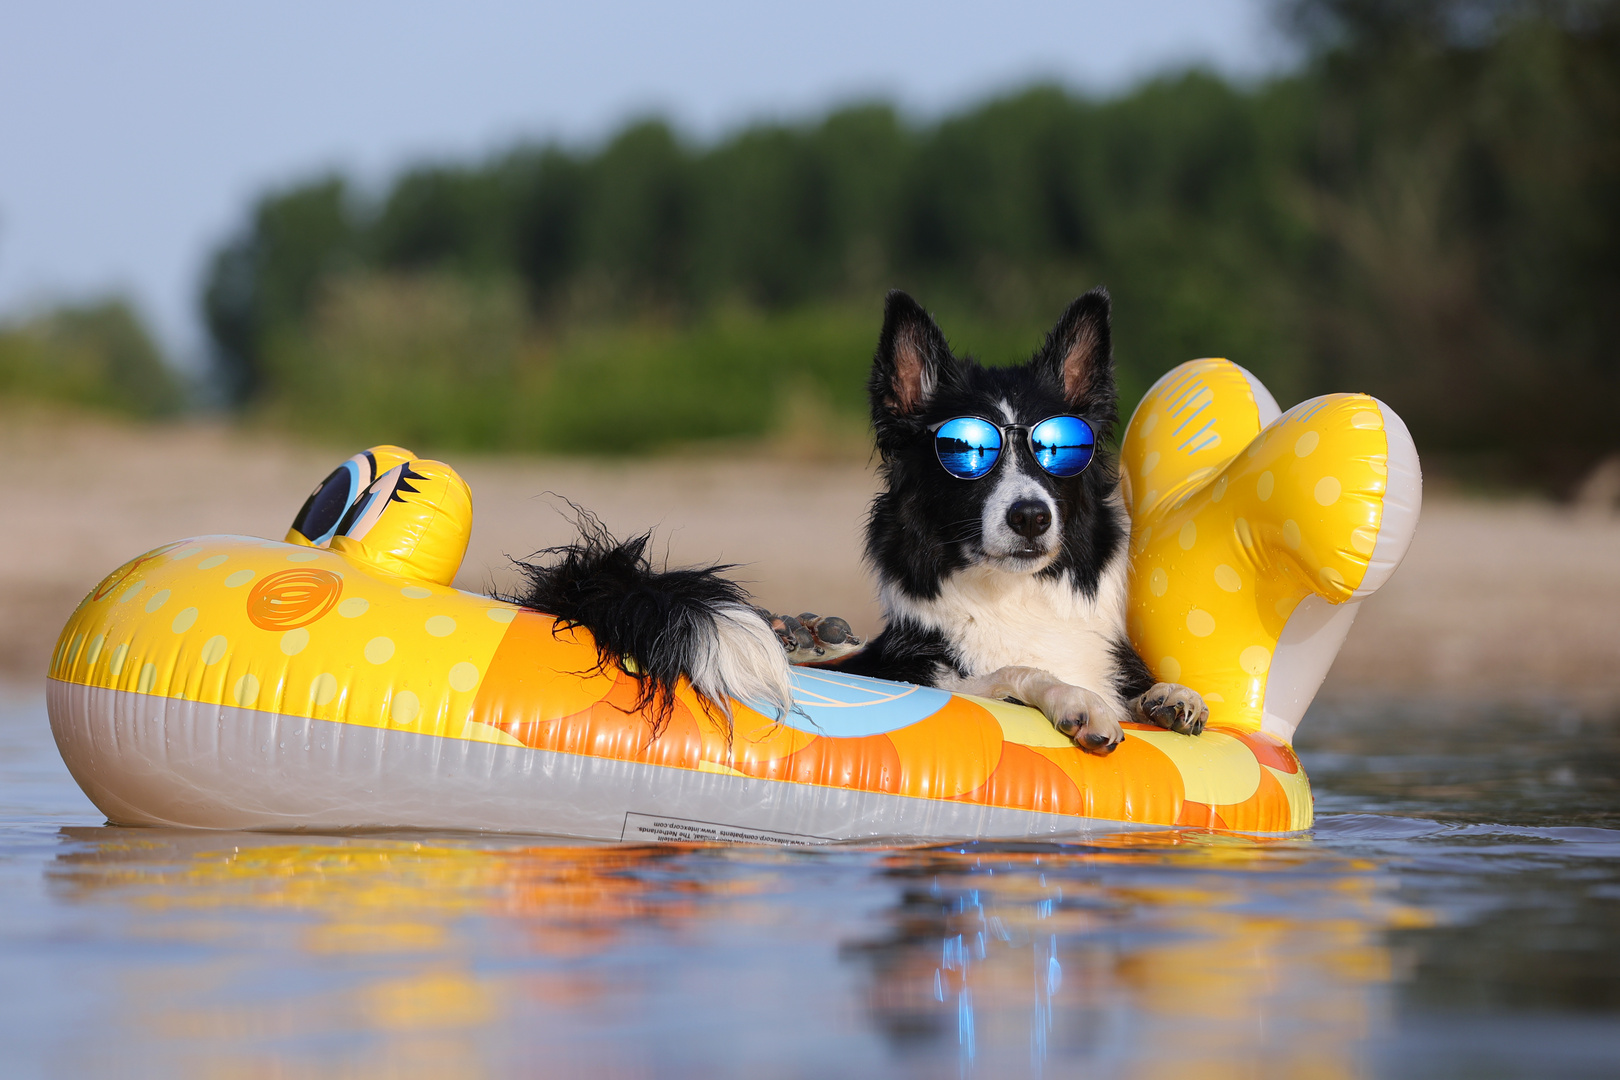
(999, 541)
(1006, 576)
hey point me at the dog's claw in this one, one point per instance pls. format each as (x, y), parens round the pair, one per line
(1086, 719)
(1172, 707)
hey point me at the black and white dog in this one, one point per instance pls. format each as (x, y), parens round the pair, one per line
(1000, 544)
(1010, 584)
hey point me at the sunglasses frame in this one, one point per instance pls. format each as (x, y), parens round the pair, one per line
(1006, 431)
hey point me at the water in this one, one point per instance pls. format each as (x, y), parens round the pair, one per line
(1456, 913)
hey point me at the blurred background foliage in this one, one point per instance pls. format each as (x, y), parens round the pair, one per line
(95, 354)
(1427, 208)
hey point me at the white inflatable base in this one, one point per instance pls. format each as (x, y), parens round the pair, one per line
(147, 760)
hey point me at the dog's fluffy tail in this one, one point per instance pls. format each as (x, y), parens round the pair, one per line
(667, 623)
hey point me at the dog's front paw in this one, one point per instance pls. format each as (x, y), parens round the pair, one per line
(1088, 720)
(1173, 707)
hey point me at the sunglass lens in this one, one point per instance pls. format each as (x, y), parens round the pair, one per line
(1063, 445)
(967, 446)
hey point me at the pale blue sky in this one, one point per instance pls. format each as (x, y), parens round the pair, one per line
(134, 135)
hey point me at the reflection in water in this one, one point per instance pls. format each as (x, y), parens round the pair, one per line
(1456, 913)
(1131, 954)
(1158, 954)
(399, 950)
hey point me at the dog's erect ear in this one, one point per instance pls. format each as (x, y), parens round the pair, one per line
(911, 356)
(1079, 351)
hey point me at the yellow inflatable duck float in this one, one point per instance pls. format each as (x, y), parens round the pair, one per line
(337, 679)
(1256, 534)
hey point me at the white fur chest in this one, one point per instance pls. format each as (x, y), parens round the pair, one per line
(995, 619)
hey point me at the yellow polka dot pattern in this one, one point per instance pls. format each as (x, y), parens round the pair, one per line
(1240, 524)
(393, 653)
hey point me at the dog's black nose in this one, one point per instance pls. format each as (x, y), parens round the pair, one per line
(1029, 517)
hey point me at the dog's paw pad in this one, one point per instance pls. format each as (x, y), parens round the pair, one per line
(829, 630)
(810, 638)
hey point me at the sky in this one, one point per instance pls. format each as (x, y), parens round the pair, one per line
(135, 136)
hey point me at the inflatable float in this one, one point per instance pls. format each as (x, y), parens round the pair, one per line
(336, 680)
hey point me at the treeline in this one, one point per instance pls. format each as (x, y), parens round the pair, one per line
(1429, 210)
(96, 354)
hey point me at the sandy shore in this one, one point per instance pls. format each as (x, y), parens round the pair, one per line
(1517, 601)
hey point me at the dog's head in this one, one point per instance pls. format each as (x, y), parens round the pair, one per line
(1017, 517)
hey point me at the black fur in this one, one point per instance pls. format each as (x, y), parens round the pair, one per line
(653, 618)
(925, 524)
(1135, 677)
(902, 652)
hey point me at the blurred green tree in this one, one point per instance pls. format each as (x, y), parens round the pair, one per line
(1465, 188)
(97, 354)
(267, 277)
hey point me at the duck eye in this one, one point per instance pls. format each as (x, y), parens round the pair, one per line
(318, 519)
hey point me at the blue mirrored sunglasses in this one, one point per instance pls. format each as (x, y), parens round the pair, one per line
(969, 446)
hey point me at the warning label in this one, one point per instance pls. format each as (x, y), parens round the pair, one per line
(649, 828)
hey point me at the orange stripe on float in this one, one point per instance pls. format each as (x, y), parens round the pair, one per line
(613, 728)
(1268, 749)
(536, 676)
(1024, 780)
(949, 753)
(759, 743)
(1199, 816)
(870, 763)
(1137, 782)
(1266, 810)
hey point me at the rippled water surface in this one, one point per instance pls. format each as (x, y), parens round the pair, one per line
(1456, 913)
